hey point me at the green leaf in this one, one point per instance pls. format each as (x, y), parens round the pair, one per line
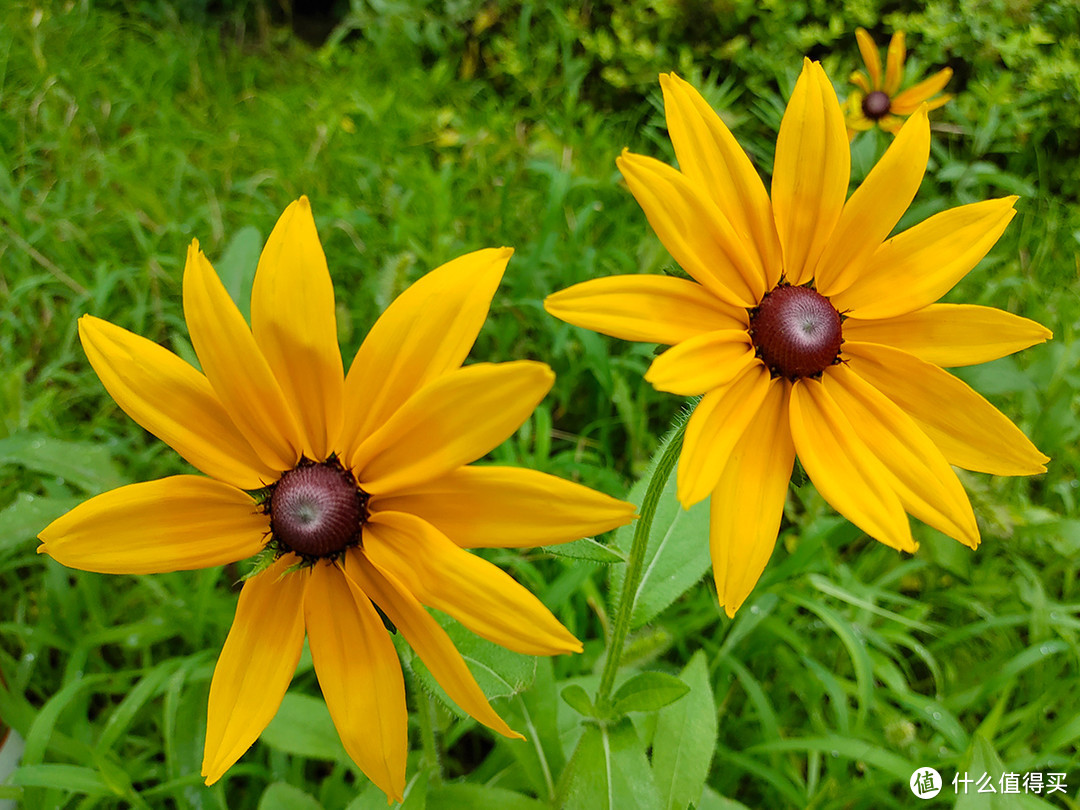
(586, 549)
(677, 554)
(28, 515)
(87, 465)
(65, 777)
(283, 796)
(535, 713)
(578, 699)
(479, 797)
(236, 266)
(984, 761)
(499, 672)
(685, 739)
(302, 727)
(608, 771)
(648, 692)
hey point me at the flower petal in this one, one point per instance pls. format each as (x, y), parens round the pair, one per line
(968, 430)
(427, 330)
(702, 363)
(255, 666)
(294, 323)
(845, 471)
(876, 206)
(472, 590)
(951, 335)
(427, 639)
(173, 401)
(917, 267)
(812, 169)
(235, 366)
(711, 158)
(451, 421)
(695, 232)
(909, 100)
(894, 64)
(748, 501)
(718, 422)
(921, 477)
(871, 58)
(359, 675)
(508, 507)
(649, 309)
(174, 524)
(862, 81)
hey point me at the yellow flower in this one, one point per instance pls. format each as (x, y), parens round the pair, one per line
(808, 334)
(365, 499)
(879, 100)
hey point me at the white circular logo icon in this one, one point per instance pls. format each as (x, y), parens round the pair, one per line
(926, 783)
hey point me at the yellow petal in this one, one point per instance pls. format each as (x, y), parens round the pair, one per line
(748, 501)
(427, 639)
(894, 64)
(845, 471)
(173, 401)
(702, 363)
(427, 330)
(862, 81)
(951, 335)
(649, 309)
(235, 366)
(508, 507)
(450, 422)
(718, 422)
(173, 524)
(255, 666)
(969, 431)
(359, 675)
(921, 477)
(713, 160)
(812, 169)
(909, 100)
(695, 232)
(472, 590)
(871, 58)
(294, 323)
(875, 207)
(917, 267)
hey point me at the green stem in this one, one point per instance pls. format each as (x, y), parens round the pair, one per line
(636, 560)
(424, 715)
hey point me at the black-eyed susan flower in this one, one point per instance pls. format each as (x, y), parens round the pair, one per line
(809, 332)
(356, 485)
(879, 101)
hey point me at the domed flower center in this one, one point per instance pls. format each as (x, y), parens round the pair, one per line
(876, 105)
(796, 332)
(316, 510)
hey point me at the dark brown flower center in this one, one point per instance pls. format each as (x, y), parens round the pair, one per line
(876, 105)
(796, 332)
(317, 510)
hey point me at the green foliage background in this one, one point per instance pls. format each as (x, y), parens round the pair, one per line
(424, 130)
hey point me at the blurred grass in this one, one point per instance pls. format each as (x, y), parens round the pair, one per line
(125, 138)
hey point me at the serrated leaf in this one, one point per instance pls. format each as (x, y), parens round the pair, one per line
(283, 796)
(677, 554)
(586, 549)
(685, 739)
(302, 727)
(578, 699)
(479, 797)
(608, 771)
(648, 692)
(498, 671)
(86, 465)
